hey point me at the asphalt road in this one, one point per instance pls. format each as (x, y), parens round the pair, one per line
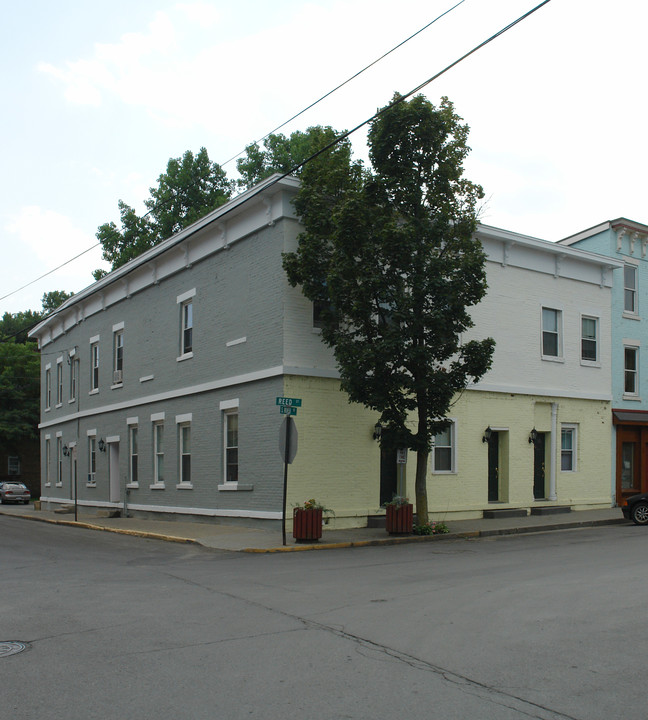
(536, 626)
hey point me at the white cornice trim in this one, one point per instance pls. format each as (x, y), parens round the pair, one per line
(544, 391)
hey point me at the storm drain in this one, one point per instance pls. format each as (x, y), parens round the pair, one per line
(11, 647)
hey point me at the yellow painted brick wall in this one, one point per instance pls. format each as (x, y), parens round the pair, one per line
(338, 462)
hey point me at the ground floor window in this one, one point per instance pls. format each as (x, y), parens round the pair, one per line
(231, 438)
(568, 448)
(92, 459)
(158, 453)
(185, 453)
(443, 452)
(133, 454)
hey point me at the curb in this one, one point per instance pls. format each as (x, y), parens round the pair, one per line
(409, 539)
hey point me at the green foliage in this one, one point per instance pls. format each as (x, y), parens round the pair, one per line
(398, 501)
(191, 187)
(51, 300)
(19, 391)
(390, 258)
(430, 528)
(281, 154)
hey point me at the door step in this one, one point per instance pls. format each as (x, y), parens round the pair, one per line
(505, 513)
(551, 510)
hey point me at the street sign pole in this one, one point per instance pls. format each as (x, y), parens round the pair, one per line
(285, 482)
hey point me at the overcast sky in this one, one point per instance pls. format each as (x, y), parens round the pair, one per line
(97, 97)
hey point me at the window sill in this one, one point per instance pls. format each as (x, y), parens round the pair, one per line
(94, 392)
(630, 316)
(132, 486)
(91, 484)
(47, 409)
(157, 486)
(590, 363)
(235, 486)
(58, 405)
(632, 398)
(48, 484)
(59, 484)
(185, 356)
(71, 400)
(444, 472)
(117, 386)
(184, 486)
(552, 358)
(146, 378)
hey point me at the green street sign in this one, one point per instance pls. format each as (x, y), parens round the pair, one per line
(288, 410)
(289, 402)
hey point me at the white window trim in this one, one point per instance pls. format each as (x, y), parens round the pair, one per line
(182, 421)
(59, 385)
(157, 419)
(597, 362)
(631, 345)
(186, 296)
(454, 434)
(234, 410)
(132, 424)
(560, 356)
(92, 435)
(574, 428)
(631, 314)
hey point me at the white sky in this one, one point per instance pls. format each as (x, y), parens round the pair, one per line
(97, 97)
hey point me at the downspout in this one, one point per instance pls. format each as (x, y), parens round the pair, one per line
(552, 464)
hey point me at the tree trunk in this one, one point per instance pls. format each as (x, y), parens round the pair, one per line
(421, 486)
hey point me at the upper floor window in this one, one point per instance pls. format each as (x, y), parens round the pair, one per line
(443, 451)
(630, 289)
(94, 366)
(589, 339)
(631, 370)
(74, 377)
(48, 388)
(59, 382)
(118, 356)
(187, 327)
(551, 332)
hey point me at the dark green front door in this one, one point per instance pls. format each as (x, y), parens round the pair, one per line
(388, 474)
(493, 467)
(539, 491)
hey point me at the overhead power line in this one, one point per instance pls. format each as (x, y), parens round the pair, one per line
(346, 134)
(267, 135)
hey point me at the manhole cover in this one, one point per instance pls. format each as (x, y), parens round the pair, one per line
(11, 647)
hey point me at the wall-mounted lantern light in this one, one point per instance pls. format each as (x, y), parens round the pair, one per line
(533, 436)
(487, 435)
(101, 445)
(66, 451)
(377, 431)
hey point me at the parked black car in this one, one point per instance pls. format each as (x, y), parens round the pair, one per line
(636, 509)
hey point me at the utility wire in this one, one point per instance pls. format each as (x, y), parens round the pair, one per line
(380, 112)
(341, 85)
(267, 135)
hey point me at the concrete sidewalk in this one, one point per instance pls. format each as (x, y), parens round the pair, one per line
(221, 536)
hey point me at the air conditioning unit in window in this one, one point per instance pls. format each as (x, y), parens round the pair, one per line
(117, 377)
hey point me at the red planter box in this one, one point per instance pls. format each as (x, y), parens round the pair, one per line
(307, 525)
(399, 519)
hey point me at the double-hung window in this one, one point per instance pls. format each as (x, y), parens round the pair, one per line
(568, 438)
(589, 339)
(48, 460)
(94, 366)
(186, 303)
(59, 460)
(630, 289)
(443, 451)
(48, 387)
(185, 453)
(551, 333)
(631, 371)
(74, 377)
(158, 453)
(231, 438)
(92, 459)
(59, 382)
(118, 354)
(133, 454)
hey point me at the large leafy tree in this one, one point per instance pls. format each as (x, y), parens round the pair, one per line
(389, 256)
(20, 371)
(191, 187)
(280, 154)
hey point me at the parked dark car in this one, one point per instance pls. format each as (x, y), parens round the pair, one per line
(14, 492)
(636, 509)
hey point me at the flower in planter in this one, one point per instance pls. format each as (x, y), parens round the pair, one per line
(430, 528)
(397, 501)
